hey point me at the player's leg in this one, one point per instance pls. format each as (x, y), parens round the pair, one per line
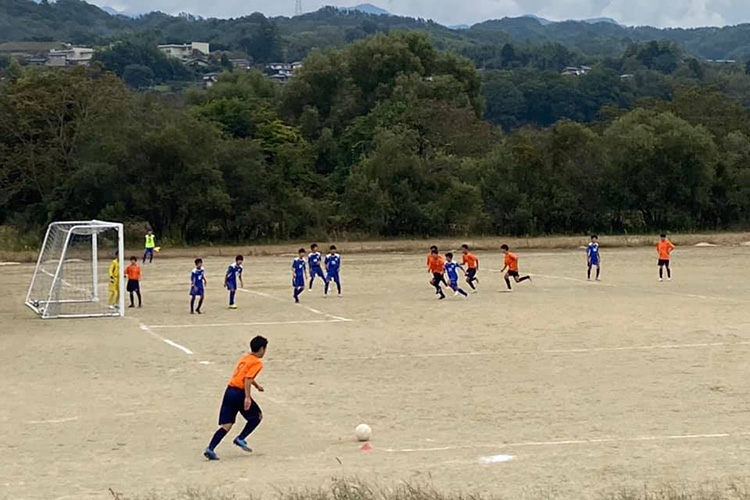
(233, 402)
(327, 282)
(337, 279)
(138, 293)
(192, 304)
(588, 273)
(232, 295)
(669, 271)
(145, 254)
(254, 417)
(470, 273)
(507, 280)
(661, 271)
(598, 271)
(522, 278)
(200, 304)
(312, 277)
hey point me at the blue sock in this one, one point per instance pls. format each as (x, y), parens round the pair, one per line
(192, 303)
(231, 297)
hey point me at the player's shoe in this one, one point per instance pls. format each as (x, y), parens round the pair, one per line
(242, 444)
(669, 279)
(232, 306)
(455, 294)
(210, 454)
(661, 279)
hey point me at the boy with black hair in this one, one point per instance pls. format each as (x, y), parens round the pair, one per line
(333, 266)
(436, 267)
(511, 264)
(133, 273)
(299, 274)
(197, 286)
(592, 257)
(233, 276)
(314, 260)
(472, 266)
(451, 270)
(238, 398)
(664, 248)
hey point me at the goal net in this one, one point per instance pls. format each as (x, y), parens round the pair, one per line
(72, 274)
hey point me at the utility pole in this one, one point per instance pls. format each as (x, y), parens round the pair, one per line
(298, 8)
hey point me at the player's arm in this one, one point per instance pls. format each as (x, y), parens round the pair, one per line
(242, 283)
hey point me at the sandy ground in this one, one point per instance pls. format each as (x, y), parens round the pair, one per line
(581, 386)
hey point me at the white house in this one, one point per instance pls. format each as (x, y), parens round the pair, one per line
(185, 51)
(70, 56)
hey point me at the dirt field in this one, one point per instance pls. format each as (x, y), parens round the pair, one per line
(579, 386)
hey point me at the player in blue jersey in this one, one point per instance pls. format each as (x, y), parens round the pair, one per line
(592, 256)
(333, 265)
(315, 261)
(451, 271)
(299, 274)
(197, 286)
(232, 278)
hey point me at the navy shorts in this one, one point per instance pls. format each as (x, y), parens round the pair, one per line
(663, 262)
(197, 291)
(471, 273)
(298, 281)
(149, 251)
(594, 262)
(437, 278)
(513, 274)
(231, 285)
(134, 286)
(234, 403)
(333, 275)
(317, 271)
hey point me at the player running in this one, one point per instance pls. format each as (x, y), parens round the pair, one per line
(664, 248)
(511, 264)
(472, 266)
(592, 257)
(333, 266)
(234, 276)
(436, 266)
(238, 398)
(451, 270)
(197, 286)
(299, 274)
(314, 260)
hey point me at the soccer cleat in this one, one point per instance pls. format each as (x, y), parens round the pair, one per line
(232, 306)
(661, 279)
(242, 444)
(210, 454)
(455, 294)
(669, 279)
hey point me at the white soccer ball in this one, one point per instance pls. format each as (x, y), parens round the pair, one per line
(363, 432)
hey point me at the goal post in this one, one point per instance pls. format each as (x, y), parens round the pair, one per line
(72, 275)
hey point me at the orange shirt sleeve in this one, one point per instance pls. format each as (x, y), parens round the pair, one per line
(253, 369)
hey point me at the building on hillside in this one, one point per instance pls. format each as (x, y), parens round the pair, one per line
(721, 61)
(186, 51)
(281, 72)
(576, 70)
(209, 79)
(69, 56)
(243, 64)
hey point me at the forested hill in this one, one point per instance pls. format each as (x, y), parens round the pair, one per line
(79, 22)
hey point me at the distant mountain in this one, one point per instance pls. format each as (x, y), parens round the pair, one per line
(540, 20)
(368, 8)
(599, 20)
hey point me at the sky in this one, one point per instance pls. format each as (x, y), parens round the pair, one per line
(660, 13)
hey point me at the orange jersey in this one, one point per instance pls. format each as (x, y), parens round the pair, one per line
(249, 366)
(435, 263)
(133, 272)
(470, 261)
(664, 248)
(511, 261)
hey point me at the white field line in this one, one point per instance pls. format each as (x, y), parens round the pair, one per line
(184, 349)
(583, 350)
(53, 421)
(574, 442)
(315, 311)
(257, 323)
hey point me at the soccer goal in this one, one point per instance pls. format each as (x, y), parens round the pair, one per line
(71, 278)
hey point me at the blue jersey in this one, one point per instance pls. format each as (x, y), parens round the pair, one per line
(451, 269)
(314, 259)
(593, 252)
(333, 263)
(298, 265)
(234, 271)
(197, 276)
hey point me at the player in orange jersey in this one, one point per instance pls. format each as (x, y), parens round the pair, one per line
(435, 266)
(238, 398)
(472, 266)
(664, 248)
(133, 273)
(511, 264)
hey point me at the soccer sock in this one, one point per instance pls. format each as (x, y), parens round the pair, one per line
(192, 304)
(661, 271)
(218, 436)
(338, 286)
(588, 274)
(598, 271)
(669, 272)
(249, 428)
(470, 281)
(200, 304)
(311, 282)
(131, 300)
(140, 299)
(524, 278)
(326, 288)
(231, 297)
(507, 282)
(462, 292)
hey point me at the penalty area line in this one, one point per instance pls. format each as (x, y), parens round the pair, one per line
(257, 323)
(174, 344)
(315, 311)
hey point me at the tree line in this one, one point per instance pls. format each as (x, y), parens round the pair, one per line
(384, 137)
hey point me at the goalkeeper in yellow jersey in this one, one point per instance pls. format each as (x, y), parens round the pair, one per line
(114, 282)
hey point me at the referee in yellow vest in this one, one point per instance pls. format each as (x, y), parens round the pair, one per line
(150, 246)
